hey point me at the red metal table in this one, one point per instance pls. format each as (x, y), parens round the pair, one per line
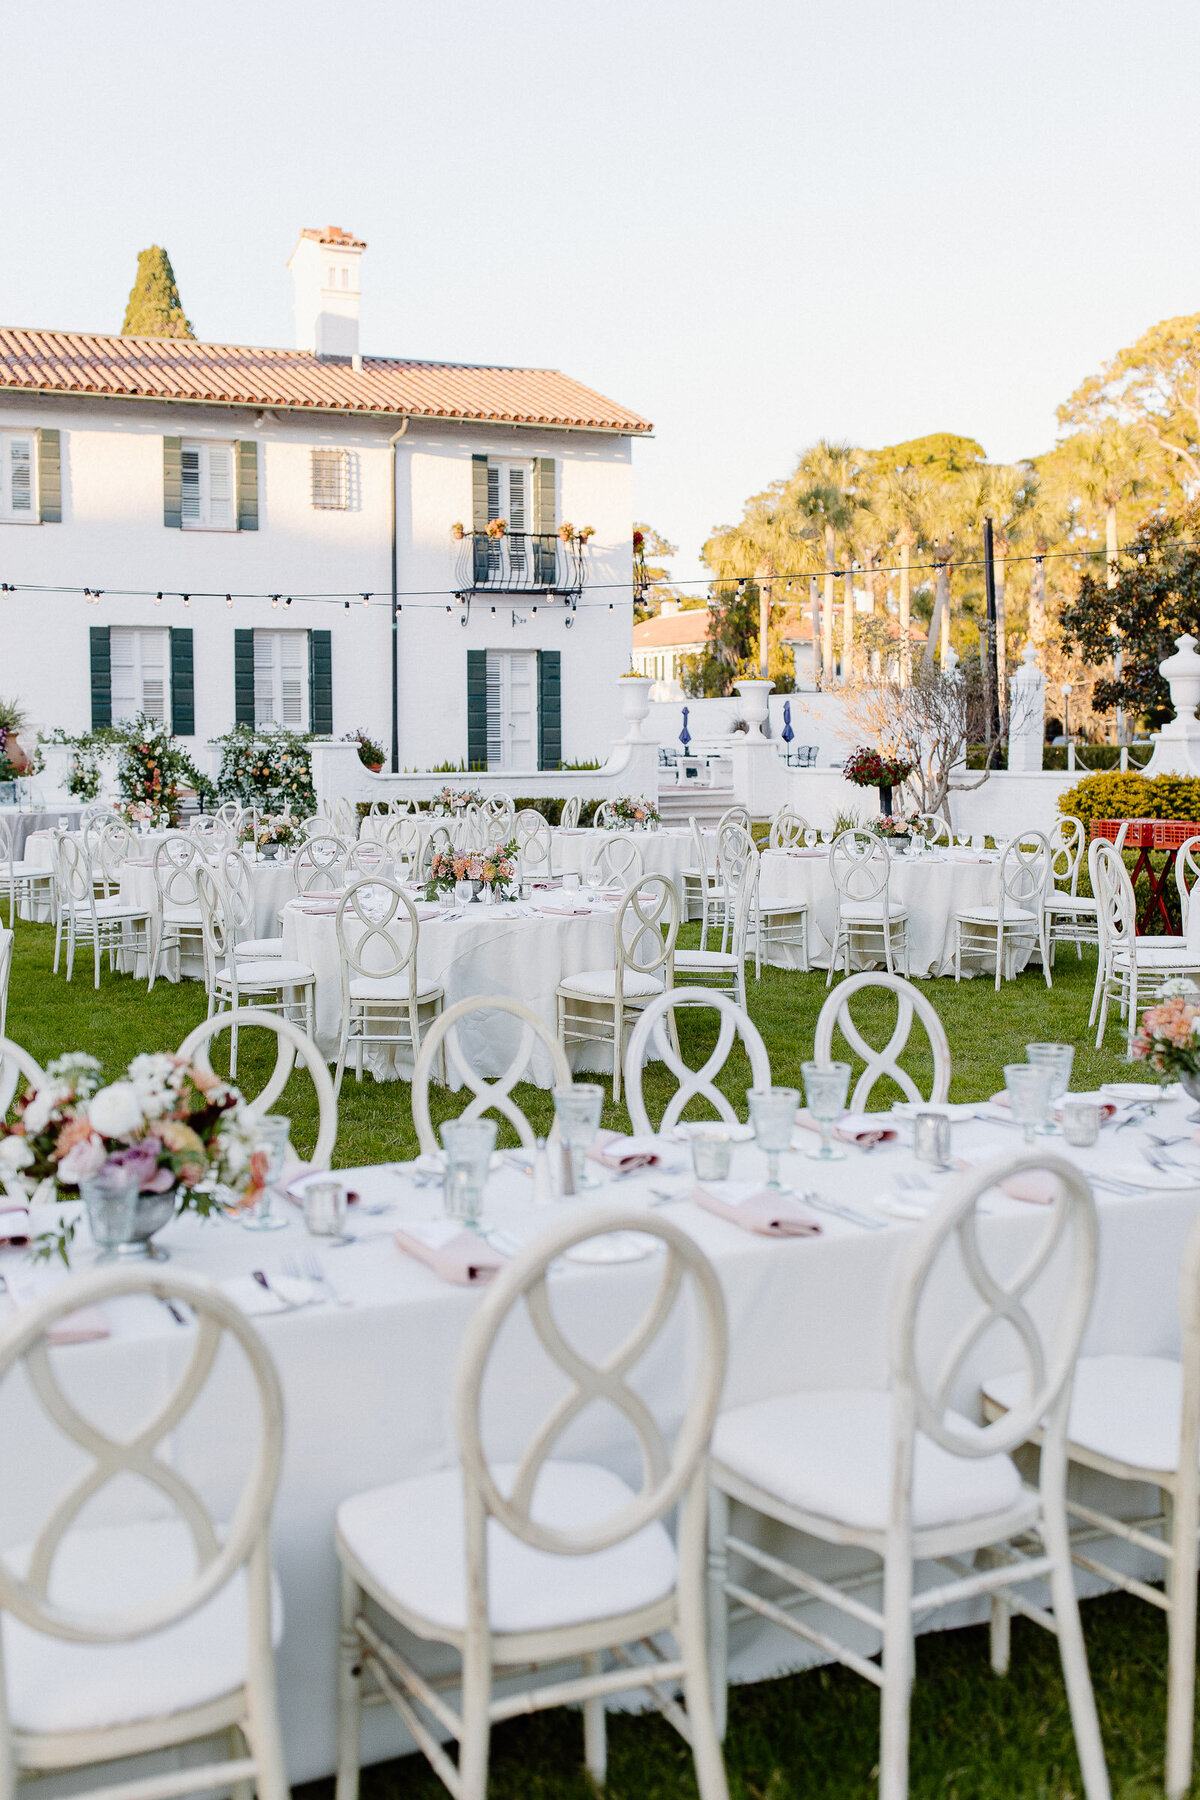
(1146, 836)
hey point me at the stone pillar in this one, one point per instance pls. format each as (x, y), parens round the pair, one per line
(1177, 745)
(1027, 714)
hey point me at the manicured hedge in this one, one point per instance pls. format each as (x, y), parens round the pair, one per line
(1116, 796)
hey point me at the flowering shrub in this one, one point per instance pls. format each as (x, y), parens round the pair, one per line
(632, 809)
(456, 799)
(871, 768)
(1115, 796)
(270, 768)
(370, 754)
(1169, 1037)
(176, 1125)
(494, 868)
(153, 772)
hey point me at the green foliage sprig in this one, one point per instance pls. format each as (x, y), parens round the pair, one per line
(269, 767)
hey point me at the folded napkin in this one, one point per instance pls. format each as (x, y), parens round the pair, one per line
(1038, 1186)
(139, 862)
(14, 1228)
(950, 1109)
(428, 909)
(755, 1208)
(564, 912)
(625, 1153)
(458, 1256)
(285, 1293)
(316, 908)
(82, 1327)
(864, 1129)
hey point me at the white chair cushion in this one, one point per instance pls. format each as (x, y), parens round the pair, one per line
(272, 971)
(1069, 903)
(114, 909)
(250, 948)
(22, 870)
(54, 1685)
(705, 959)
(411, 1539)
(990, 915)
(866, 911)
(829, 1453)
(601, 984)
(394, 987)
(1128, 1408)
(1158, 959)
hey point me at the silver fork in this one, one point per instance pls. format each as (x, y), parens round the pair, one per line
(820, 1204)
(309, 1269)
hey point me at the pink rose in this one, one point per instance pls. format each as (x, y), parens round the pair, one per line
(83, 1162)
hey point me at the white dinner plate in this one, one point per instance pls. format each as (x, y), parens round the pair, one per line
(614, 1247)
(738, 1134)
(1131, 1090)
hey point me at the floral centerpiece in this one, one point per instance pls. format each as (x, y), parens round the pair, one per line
(632, 809)
(278, 831)
(1169, 1036)
(370, 754)
(269, 768)
(871, 768)
(895, 830)
(180, 1128)
(152, 772)
(492, 870)
(456, 799)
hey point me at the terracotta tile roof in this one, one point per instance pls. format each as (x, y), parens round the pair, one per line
(333, 234)
(149, 368)
(672, 630)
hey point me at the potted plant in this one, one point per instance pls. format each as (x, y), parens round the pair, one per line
(370, 754)
(871, 768)
(13, 759)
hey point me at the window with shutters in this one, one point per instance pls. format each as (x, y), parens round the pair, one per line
(330, 487)
(18, 478)
(207, 501)
(509, 497)
(141, 664)
(281, 678)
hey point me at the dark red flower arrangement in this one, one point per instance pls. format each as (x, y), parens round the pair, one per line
(870, 768)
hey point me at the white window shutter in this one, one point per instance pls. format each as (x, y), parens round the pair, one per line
(220, 486)
(189, 469)
(21, 475)
(293, 650)
(265, 652)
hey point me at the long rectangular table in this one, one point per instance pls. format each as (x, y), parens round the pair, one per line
(368, 1385)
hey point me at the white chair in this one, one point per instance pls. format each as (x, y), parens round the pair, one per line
(367, 857)
(726, 968)
(600, 1006)
(320, 865)
(236, 883)
(535, 846)
(1137, 1419)
(700, 886)
(15, 1062)
(467, 828)
(934, 830)
(166, 1621)
(898, 1472)
(735, 815)
(865, 922)
(343, 818)
(543, 1562)
(176, 914)
(1070, 915)
(105, 924)
(1187, 870)
(402, 841)
(787, 830)
(271, 983)
(616, 860)
(605, 816)
(1127, 963)
(230, 813)
(211, 833)
(1018, 918)
(6, 956)
(569, 817)
(27, 882)
(883, 1063)
(114, 844)
(382, 999)
(317, 825)
(498, 814)
(658, 1027)
(291, 1046)
(443, 1041)
(438, 843)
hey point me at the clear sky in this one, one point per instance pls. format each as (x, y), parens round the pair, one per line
(755, 223)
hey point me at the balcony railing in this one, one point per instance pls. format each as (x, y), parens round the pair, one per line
(520, 562)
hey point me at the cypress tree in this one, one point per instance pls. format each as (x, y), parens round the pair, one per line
(155, 309)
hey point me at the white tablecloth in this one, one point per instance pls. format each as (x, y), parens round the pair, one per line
(932, 887)
(367, 1387)
(663, 852)
(514, 950)
(272, 884)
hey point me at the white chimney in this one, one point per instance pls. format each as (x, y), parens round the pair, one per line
(324, 268)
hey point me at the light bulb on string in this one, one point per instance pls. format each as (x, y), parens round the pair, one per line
(366, 599)
(274, 601)
(345, 606)
(187, 599)
(158, 598)
(288, 601)
(229, 601)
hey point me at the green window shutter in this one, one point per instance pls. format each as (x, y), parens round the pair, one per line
(183, 688)
(173, 482)
(101, 677)
(320, 683)
(477, 752)
(243, 677)
(247, 484)
(49, 478)
(544, 522)
(549, 708)
(479, 515)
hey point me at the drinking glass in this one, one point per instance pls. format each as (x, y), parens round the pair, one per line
(1080, 1122)
(593, 880)
(1057, 1058)
(111, 1201)
(773, 1116)
(712, 1152)
(1028, 1087)
(570, 881)
(577, 1109)
(271, 1140)
(825, 1088)
(325, 1208)
(63, 821)
(468, 1145)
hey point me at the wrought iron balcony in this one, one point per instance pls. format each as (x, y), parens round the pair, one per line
(519, 563)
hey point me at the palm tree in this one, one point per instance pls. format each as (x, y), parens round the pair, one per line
(900, 504)
(824, 489)
(1001, 492)
(1098, 471)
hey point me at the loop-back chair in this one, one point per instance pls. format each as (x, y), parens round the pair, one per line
(444, 1040)
(602, 1005)
(883, 1063)
(658, 1027)
(382, 999)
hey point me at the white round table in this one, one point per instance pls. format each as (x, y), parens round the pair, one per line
(272, 885)
(663, 852)
(933, 887)
(516, 950)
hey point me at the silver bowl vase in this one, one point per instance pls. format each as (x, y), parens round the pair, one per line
(1191, 1087)
(152, 1212)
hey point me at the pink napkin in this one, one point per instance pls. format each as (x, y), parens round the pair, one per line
(863, 1129)
(82, 1327)
(139, 862)
(755, 1209)
(565, 912)
(14, 1228)
(457, 1256)
(1038, 1186)
(625, 1153)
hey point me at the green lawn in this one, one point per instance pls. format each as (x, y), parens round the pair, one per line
(811, 1736)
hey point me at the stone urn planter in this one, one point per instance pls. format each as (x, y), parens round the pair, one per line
(635, 702)
(753, 708)
(1182, 675)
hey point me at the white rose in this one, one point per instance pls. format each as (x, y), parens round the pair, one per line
(116, 1110)
(37, 1113)
(15, 1153)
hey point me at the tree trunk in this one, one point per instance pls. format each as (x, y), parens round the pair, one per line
(827, 615)
(905, 612)
(939, 625)
(848, 626)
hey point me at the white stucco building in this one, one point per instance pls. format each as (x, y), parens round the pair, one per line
(277, 488)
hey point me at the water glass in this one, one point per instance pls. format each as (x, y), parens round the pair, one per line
(931, 1139)
(468, 1144)
(712, 1151)
(111, 1201)
(63, 822)
(773, 1116)
(570, 881)
(325, 1208)
(577, 1109)
(1080, 1122)
(271, 1142)
(1028, 1087)
(825, 1088)
(1058, 1058)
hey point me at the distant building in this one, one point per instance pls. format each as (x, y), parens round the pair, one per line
(661, 643)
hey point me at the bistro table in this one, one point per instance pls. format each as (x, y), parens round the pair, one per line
(368, 1383)
(1150, 837)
